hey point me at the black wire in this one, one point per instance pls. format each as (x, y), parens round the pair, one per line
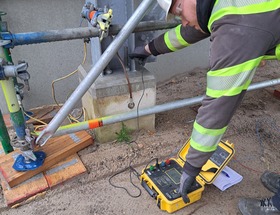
(143, 84)
(150, 162)
(132, 170)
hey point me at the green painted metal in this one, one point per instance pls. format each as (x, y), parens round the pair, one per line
(4, 136)
(18, 122)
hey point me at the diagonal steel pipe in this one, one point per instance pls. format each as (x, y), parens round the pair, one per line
(95, 71)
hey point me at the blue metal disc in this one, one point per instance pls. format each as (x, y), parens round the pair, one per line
(21, 165)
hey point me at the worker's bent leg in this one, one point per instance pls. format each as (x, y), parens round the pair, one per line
(210, 125)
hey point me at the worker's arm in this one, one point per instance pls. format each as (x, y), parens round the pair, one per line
(175, 39)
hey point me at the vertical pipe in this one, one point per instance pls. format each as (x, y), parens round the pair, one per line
(16, 114)
(4, 135)
(95, 71)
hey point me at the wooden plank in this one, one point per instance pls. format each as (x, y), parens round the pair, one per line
(44, 113)
(65, 170)
(56, 150)
(3, 156)
(2, 153)
(36, 184)
(57, 174)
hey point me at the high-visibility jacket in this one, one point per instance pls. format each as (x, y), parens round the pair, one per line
(242, 33)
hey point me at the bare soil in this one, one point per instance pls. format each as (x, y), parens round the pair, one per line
(254, 129)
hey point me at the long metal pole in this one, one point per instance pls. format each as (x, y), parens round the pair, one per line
(95, 71)
(76, 33)
(4, 135)
(96, 123)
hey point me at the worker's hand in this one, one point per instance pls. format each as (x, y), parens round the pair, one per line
(186, 182)
(141, 54)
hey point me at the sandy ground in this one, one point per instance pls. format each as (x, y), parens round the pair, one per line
(254, 130)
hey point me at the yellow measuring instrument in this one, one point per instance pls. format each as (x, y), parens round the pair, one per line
(162, 180)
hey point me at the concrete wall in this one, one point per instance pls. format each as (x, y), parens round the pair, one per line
(50, 61)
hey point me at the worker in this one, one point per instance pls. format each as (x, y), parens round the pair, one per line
(242, 34)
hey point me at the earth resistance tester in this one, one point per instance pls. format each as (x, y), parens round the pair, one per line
(162, 180)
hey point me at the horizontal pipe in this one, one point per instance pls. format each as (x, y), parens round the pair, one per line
(76, 33)
(96, 123)
(145, 26)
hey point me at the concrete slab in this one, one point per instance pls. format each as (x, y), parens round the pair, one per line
(110, 95)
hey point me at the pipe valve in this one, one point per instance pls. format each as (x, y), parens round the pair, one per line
(98, 17)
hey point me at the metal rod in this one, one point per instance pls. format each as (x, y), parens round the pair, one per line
(96, 123)
(4, 135)
(76, 33)
(146, 26)
(95, 71)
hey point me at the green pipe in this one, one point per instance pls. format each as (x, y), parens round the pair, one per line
(16, 115)
(4, 136)
(7, 52)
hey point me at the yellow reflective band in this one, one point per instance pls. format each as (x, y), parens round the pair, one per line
(229, 82)
(262, 7)
(232, 70)
(201, 148)
(269, 57)
(173, 39)
(230, 92)
(277, 51)
(232, 80)
(179, 36)
(212, 132)
(168, 43)
(205, 139)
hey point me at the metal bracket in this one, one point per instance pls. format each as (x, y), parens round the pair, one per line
(5, 42)
(20, 71)
(7, 36)
(26, 145)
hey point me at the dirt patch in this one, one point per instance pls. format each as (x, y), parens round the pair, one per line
(254, 130)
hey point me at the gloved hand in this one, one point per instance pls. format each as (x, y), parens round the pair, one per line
(140, 53)
(186, 182)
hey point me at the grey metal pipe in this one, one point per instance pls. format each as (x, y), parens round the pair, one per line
(146, 26)
(152, 110)
(95, 71)
(76, 33)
